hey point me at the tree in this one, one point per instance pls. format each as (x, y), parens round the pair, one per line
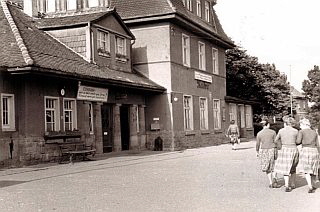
(311, 88)
(248, 79)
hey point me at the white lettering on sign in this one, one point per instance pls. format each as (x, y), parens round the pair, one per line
(92, 94)
(202, 77)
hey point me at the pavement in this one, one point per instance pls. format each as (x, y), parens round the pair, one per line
(197, 180)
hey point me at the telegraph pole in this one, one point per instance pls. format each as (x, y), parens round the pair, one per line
(291, 104)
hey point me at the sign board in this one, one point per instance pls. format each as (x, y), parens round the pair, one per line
(92, 94)
(202, 77)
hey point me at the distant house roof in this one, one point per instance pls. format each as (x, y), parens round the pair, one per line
(131, 10)
(296, 93)
(21, 40)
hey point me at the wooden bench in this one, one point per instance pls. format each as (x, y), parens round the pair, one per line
(73, 149)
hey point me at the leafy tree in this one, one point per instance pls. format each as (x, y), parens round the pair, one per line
(248, 79)
(311, 88)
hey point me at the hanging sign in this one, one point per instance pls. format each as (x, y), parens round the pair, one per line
(92, 94)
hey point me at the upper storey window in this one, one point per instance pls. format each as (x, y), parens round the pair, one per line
(188, 4)
(96, 3)
(207, 11)
(103, 43)
(199, 8)
(120, 46)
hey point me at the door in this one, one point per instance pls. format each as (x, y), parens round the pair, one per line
(125, 130)
(107, 123)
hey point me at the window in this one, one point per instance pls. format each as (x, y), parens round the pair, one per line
(93, 3)
(233, 112)
(207, 11)
(186, 50)
(216, 114)
(248, 116)
(203, 113)
(120, 46)
(188, 4)
(242, 117)
(50, 5)
(69, 110)
(7, 112)
(202, 56)
(188, 112)
(72, 4)
(199, 8)
(90, 114)
(215, 65)
(52, 114)
(103, 43)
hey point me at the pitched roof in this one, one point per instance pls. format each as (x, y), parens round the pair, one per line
(296, 93)
(51, 56)
(136, 9)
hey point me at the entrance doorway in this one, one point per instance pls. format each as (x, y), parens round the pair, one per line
(107, 125)
(125, 128)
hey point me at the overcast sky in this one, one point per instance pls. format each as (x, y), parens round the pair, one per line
(283, 32)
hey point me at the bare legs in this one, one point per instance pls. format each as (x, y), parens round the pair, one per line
(310, 180)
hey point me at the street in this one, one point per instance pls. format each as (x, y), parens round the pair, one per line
(196, 180)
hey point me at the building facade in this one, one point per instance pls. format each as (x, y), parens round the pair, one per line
(68, 77)
(181, 45)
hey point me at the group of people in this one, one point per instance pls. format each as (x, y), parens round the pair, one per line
(278, 153)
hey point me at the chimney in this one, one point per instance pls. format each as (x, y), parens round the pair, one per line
(30, 7)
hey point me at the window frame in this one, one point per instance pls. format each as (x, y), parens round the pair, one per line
(207, 11)
(202, 55)
(188, 5)
(103, 42)
(242, 116)
(204, 114)
(215, 61)
(74, 124)
(188, 126)
(186, 50)
(10, 125)
(117, 37)
(233, 114)
(217, 111)
(199, 9)
(56, 114)
(248, 112)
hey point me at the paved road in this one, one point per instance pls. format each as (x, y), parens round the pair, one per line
(196, 180)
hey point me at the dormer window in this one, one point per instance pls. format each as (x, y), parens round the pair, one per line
(103, 43)
(188, 4)
(207, 11)
(97, 3)
(120, 46)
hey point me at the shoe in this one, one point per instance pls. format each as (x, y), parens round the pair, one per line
(293, 186)
(274, 185)
(311, 190)
(288, 189)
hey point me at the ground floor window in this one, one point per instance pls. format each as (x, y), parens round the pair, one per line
(52, 114)
(188, 112)
(7, 112)
(242, 116)
(70, 121)
(216, 114)
(248, 111)
(203, 113)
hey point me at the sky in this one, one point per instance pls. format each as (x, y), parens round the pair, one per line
(283, 32)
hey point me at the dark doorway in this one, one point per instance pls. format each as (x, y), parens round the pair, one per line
(107, 125)
(125, 130)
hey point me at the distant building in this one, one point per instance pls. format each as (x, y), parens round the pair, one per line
(300, 104)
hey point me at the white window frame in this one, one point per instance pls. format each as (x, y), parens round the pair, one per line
(215, 63)
(248, 111)
(117, 45)
(73, 111)
(203, 113)
(207, 11)
(50, 6)
(56, 109)
(188, 4)
(186, 50)
(90, 115)
(202, 55)
(199, 8)
(71, 4)
(216, 114)
(94, 3)
(103, 42)
(188, 113)
(7, 112)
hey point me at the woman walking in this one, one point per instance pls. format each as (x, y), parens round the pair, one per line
(288, 155)
(266, 151)
(233, 134)
(309, 157)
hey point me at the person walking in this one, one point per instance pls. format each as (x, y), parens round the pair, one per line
(267, 151)
(233, 133)
(288, 155)
(309, 157)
